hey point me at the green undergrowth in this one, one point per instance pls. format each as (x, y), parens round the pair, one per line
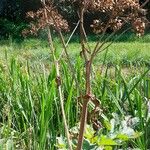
(30, 113)
(30, 116)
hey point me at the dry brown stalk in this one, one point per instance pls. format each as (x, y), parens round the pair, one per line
(145, 3)
(65, 46)
(87, 97)
(58, 81)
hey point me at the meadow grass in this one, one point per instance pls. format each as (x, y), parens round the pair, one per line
(30, 116)
(128, 49)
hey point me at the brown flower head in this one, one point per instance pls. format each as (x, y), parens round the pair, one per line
(116, 12)
(40, 20)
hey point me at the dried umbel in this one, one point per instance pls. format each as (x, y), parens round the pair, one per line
(116, 24)
(40, 20)
(111, 5)
(98, 26)
(108, 5)
(139, 26)
(116, 14)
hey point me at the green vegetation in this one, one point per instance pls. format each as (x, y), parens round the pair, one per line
(30, 116)
(126, 50)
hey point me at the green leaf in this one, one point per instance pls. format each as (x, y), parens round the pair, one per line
(89, 132)
(107, 125)
(88, 146)
(106, 141)
(136, 135)
(61, 144)
(108, 148)
(122, 137)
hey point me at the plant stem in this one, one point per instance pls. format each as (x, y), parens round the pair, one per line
(85, 106)
(87, 96)
(58, 83)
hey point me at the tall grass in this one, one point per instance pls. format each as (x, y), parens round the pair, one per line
(30, 116)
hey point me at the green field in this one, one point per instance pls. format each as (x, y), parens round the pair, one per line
(30, 116)
(127, 49)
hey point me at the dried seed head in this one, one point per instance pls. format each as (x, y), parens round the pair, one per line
(139, 26)
(118, 12)
(39, 20)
